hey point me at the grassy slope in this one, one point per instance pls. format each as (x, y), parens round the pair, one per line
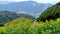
(24, 26)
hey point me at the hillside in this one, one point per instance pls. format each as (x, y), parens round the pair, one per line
(6, 16)
(24, 26)
(30, 7)
(51, 13)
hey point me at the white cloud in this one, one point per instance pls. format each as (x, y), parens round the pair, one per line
(47, 1)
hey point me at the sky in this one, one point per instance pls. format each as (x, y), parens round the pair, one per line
(39, 1)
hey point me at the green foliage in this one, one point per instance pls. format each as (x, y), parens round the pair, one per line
(51, 13)
(24, 26)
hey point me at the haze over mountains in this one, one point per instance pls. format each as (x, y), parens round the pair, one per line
(30, 7)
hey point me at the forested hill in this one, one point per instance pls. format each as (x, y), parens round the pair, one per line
(51, 13)
(6, 16)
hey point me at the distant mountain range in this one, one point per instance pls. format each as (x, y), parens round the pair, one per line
(30, 7)
(6, 16)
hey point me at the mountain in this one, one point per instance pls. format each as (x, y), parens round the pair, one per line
(30, 7)
(5, 2)
(51, 13)
(6, 16)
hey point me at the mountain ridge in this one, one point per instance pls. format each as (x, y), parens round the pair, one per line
(30, 7)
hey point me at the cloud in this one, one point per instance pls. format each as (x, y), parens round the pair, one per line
(47, 1)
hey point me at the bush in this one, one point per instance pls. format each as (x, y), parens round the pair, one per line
(51, 13)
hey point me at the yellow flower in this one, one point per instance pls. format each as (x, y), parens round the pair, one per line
(42, 32)
(58, 19)
(50, 25)
(46, 20)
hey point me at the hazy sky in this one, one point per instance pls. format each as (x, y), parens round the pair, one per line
(39, 1)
